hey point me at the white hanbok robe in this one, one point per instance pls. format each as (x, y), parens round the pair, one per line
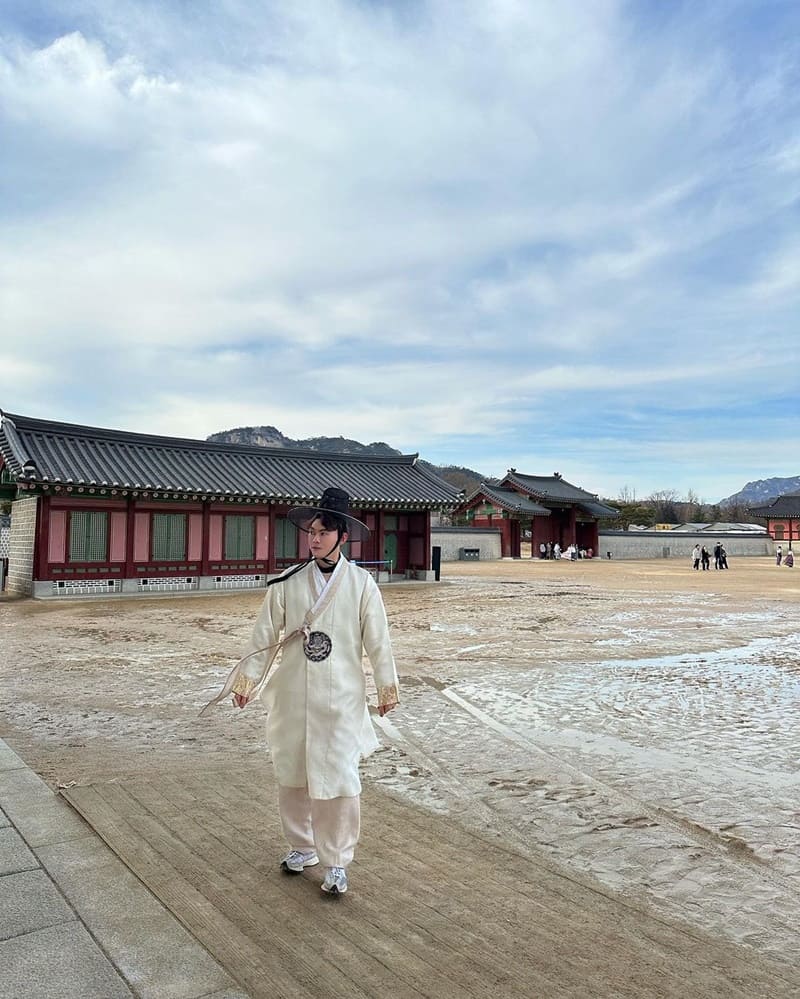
(318, 724)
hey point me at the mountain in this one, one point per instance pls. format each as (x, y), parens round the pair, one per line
(272, 437)
(762, 491)
(461, 478)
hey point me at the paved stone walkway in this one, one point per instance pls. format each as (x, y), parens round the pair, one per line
(75, 923)
(434, 909)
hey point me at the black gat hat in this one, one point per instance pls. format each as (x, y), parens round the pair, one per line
(336, 503)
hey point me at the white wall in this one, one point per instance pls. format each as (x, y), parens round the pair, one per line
(679, 544)
(452, 539)
(21, 548)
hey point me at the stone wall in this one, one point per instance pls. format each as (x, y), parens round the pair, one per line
(452, 539)
(679, 544)
(21, 548)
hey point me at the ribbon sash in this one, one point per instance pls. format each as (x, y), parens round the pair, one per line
(320, 605)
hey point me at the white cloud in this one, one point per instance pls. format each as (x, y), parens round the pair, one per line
(506, 217)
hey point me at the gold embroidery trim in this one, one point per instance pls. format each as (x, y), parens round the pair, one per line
(243, 685)
(388, 695)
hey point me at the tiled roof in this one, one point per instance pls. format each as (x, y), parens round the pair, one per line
(597, 509)
(506, 499)
(44, 452)
(554, 489)
(787, 505)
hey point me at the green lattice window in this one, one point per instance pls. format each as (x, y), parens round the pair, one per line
(240, 537)
(169, 537)
(285, 538)
(88, 536)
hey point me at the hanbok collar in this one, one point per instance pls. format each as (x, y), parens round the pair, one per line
(321, 582)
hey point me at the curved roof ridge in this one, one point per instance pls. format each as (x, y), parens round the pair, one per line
(56, 454)
(36, 425)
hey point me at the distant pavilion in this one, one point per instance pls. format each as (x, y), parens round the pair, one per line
(782, 516)
(549, 507)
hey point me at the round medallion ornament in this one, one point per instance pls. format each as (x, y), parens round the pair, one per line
(317, 646)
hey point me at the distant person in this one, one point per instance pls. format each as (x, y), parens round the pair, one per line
(723, 557)
(717, 549)
(543, 550)
(556, 550)
(789, 560)
(705, 558)
(696, 557)
(550, 554)
(779, 555)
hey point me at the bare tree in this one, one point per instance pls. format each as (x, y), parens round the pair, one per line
(693, 507)
(663, 502)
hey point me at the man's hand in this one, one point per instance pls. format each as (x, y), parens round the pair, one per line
(240, 700)
(385, 708)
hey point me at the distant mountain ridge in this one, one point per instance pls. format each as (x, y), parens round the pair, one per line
(461, 478)
(272, 437)
(761, 491)
(753, 494)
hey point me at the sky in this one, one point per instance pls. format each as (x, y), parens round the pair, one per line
(554, 236)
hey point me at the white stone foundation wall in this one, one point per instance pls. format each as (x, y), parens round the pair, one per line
(452, 539)
(105, 587)
(677, 544)
(21, 546)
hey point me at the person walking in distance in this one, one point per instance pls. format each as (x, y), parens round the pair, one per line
(327, 610)
(696, 557)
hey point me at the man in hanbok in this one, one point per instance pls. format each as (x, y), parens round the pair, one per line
(329, 611)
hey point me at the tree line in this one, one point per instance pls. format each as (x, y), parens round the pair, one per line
(666, 507)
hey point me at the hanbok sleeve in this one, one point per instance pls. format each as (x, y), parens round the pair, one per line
(259, 652)
(378, 646)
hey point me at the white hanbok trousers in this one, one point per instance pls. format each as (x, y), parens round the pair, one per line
(330, 826)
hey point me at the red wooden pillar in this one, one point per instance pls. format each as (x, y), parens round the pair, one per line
(130, 568)
(516, 538)
(205, 563)
(427, 564)
(42, 538)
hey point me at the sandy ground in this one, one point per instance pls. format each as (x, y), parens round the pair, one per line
(635, 721)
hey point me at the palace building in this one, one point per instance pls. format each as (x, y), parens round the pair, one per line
(547, 507)
(782, 516)
(101, 512)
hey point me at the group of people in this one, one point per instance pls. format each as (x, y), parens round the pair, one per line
(551, 550)
(788, 559)
(701, 557)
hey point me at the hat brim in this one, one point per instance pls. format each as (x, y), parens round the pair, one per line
(303, 516)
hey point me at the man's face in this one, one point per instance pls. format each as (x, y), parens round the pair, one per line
(322, 539)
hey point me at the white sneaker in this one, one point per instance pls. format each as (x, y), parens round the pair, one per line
(335, 882)
(296, 860)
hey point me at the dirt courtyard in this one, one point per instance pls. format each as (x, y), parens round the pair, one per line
(633, 721)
